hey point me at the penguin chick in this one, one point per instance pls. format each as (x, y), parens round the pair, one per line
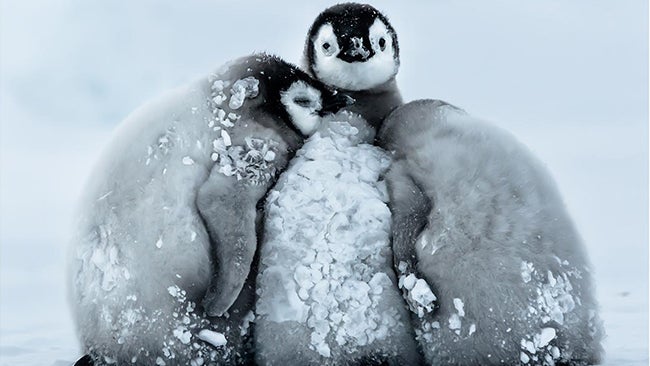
(169, 215)
(482, 221)
(291, 104)
(327, 292)
(354, 48)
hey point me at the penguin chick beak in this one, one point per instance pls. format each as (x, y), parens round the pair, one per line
(334, 103)
(356, 51)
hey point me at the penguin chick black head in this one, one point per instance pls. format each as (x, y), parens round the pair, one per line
(290, 94)
(352, 46)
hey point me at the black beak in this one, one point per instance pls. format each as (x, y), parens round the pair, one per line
(334, 103)
(358, 49)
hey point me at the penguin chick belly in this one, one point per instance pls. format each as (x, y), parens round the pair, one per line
(326, 290)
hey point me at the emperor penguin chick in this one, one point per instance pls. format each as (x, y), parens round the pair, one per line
(167, 227)
(354, 48)
(482, 221)
(327, 292)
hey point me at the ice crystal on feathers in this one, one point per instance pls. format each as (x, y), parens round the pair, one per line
(554, 298)
(182, 334)
(472, 329)
(105, 258)
(226, 138)
(416, 292)
(539, 349)
(221, 114)
(187, 160)
(214, 338)
(242, 89)
(177, 292)
(544, 337)
(552, 302)
(460, 306)
(181, 323)
(247, 321)
(526, 271)
(455, 323)
(218, 95)
(253, 162)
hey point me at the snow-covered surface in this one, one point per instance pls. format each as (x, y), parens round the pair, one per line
(569, 79)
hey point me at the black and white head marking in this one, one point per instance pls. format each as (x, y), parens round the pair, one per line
(292, 95)
(352, 46)
(303, 103)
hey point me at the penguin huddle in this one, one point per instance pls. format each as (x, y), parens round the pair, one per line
(271, 215)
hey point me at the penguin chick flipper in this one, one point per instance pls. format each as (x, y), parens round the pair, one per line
(228, 208)
(410, 209)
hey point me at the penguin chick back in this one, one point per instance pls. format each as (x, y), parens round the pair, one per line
(508, 266)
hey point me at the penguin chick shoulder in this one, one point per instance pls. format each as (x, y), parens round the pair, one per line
(353, 47)
(169, 214)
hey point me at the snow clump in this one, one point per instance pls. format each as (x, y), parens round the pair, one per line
(326, 263)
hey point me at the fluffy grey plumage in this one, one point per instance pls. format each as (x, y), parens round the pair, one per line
(169, 215)
(481, 219)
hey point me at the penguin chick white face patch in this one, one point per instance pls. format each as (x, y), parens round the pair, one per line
(303, 103)
(381, 39)
(326, 42)
(374, 71)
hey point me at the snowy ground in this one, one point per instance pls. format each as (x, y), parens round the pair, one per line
(569, 79)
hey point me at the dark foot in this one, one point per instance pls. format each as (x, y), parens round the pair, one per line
(84, 361)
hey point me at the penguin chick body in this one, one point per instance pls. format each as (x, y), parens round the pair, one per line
(169, 215)
(481, 220)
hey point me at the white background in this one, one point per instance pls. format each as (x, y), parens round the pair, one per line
(568, 78)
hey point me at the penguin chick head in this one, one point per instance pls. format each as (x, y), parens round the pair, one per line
(306, 104)
(292, 95)
(352, 46)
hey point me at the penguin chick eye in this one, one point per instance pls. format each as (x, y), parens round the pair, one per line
(328, 49)
(325, 41)
(382, 43)
(303, 102)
